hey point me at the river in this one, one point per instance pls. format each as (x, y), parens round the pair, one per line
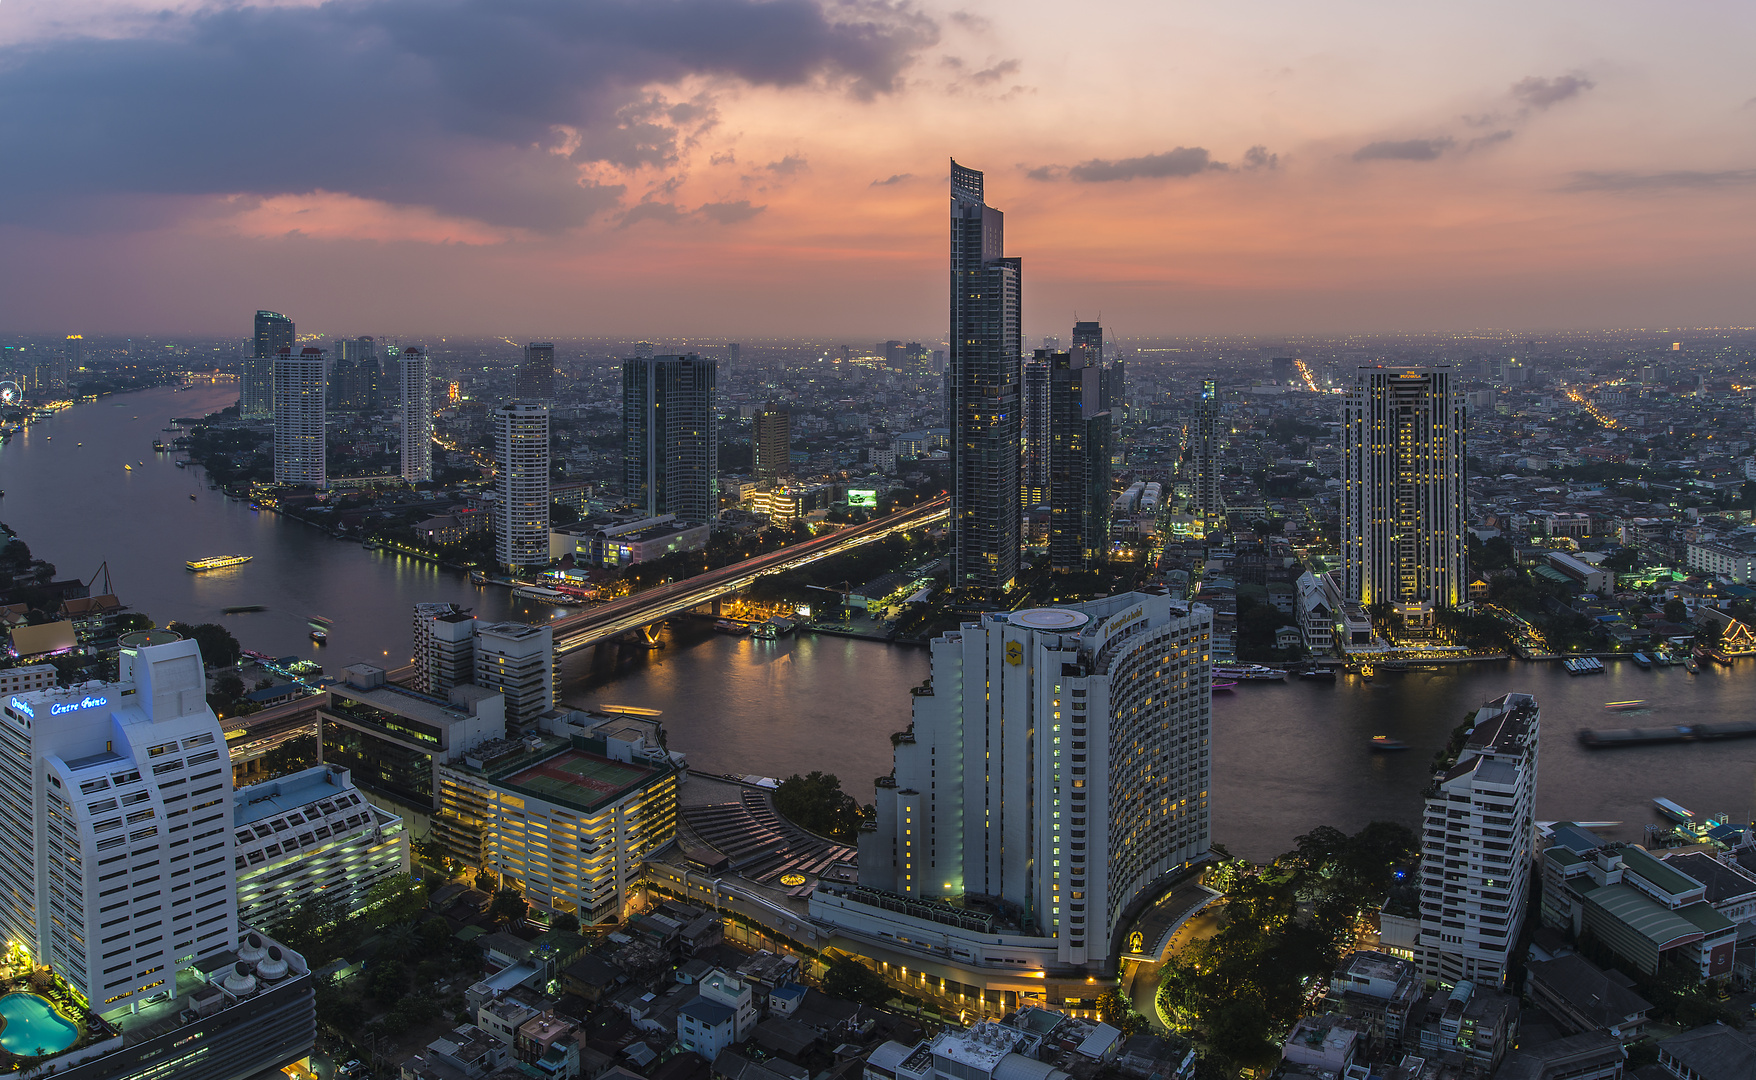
(1287, 757)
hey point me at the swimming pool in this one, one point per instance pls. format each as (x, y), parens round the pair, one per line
(33, 1026)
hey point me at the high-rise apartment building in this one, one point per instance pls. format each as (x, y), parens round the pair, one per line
(417, 417)
(273, 332)
(1078, 459)
(1478, 844)
(773, 443)
(1204, 453)
(670, 437)
(300, 407)
(444, 648)
(353, 375)
(72, 361)
(734, 352)
(1056, 767)
(1403, 490)
(517, 660)
(536, 374)
(983, 389)
(521, 485)
(1034, 465)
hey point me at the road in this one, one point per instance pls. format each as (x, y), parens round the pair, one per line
(645, 608)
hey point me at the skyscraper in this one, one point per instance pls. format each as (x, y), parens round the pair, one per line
(1204, 450)
(670, 438)
(518, 661)
(536, 374)
(521, 486)
(734, 352)
(1060, 765)
(444, 648)
(417, 417)
(1403, 489)
(1078, 459)
(72, 360)
(300, 400)
(983, 385)
(1478, 846)
(1034, 468)
(773, 444)
(273, 332)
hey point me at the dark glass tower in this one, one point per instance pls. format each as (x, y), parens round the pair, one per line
(536, 375)
(982, 388)
(1036, 432)
(273, 332)
(670, 440)
(1079, 459)
(1204, 449)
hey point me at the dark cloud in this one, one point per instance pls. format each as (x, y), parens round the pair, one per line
(787, 166)
(1258, 157)
(729, 213)
(1680, 180)
(896, 178)
(1183, 161)
(996, 72)
(1045, 172)
(1537, 92)
(484, 109)
(1488, 140)
(1404, 149)
(669, 213)
(975, 24)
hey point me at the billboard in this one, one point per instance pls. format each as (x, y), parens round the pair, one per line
(859, 497)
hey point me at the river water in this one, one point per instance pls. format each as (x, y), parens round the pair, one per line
(1287, 757)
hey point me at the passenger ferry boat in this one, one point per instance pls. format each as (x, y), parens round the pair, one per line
(217, 562)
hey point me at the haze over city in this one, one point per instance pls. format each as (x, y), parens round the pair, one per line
(777, 168)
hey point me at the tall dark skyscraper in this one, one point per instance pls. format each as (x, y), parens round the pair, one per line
(983, 385)
(670, 440)
(273, 332)
(1078, 459)
(1204, 448)
(536, 375)
(773, 443)
(1035, 490)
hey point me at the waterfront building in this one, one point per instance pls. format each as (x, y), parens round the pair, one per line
(618, 540)
(392, 740)
(300, 453)
(417, 417)
(982, 392)
(570, 819)
(670, 439)
(536, 374)
(521, 485)
(116, 852)
(517, 660)
(307, 836)
(1204, 439)
(1403, 495)
(444, 648)
(1078, 460)
(773, 444)
(273, 332)
(1034, 467)
(1056, 770)
(1477, 847)
(70, 363)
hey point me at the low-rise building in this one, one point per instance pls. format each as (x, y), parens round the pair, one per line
(1714, 1052)
(1583, 998)
(1591, 1055)
(26, 679)
(619, 540)
(1467, 1026)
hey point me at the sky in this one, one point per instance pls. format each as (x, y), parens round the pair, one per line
(766, 168)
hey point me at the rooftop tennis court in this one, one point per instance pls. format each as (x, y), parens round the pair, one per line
(579, 777)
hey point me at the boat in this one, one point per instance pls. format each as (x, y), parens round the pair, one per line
(241, 609)
(1249, 673)
(1218, 686)
(320, 636)
(127, 467)
(1621, 706)
(1318, 674)
(1680, 815)
(217, 562)
(728, 626)
(1384, 744)
(1583, 665)
(544, 595)
(476, 577)
(1643, 660)
(1689, 663)
(192, 498)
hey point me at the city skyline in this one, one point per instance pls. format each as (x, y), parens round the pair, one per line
(1354, 169)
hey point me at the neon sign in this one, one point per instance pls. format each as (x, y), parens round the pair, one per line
(62, 707)
(23, 707)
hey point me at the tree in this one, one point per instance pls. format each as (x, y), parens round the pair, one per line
(816, 802)
(1676, 611)
(219, 649)
(130, 621)
(566, 921)
(396, 899)
(508, 907)
(487, 881)
(851, 980)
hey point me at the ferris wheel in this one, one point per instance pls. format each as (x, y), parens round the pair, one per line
(10, 394)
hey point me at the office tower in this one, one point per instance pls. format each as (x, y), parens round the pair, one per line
(417, 417)
(1034, 468)
(1477, 847)
(1403, 494)
(571, 819)
(670, 438)
(536, 374)
(517, 661)
(733, 352)
(1052, 342)
(72, 360)
(643, 350)
(365, 352)
(1089, 335)
(299, 407)
(891, 351)
(773, 444)
(1282, 371)
(388, 385)
(1204, 449)
(273, 332)
(982, 391)
(521, 485)
(1078, 459)
(1059, 764)
(444, 648)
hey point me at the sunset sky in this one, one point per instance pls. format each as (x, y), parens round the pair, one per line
(742, 168)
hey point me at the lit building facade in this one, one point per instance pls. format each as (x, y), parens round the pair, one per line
(1204, 441)
(521, 485)
(1078, 460)
(983, 386)
(117, 851)
(670, 438)
(417, 417)
(444, 648)
(570, 819)
(1034, 467)
(1403, 489)
(517, 660)
(300, 405)
(773, 444)
(1058, 764)
(1478, 844)
(272, 333)
(310, 835)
